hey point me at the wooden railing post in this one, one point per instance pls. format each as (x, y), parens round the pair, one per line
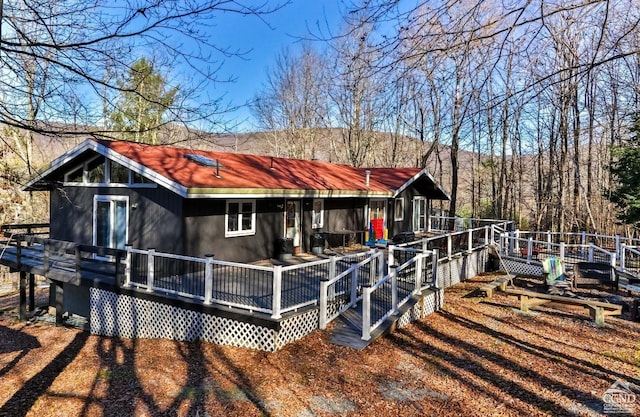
(354, 287)
(380, 265)
(46, 255)
(208, 278)
(419, 260)
(127, 266)
(470, 240)
(529, 249)
(277, 292)
(562, 251)
(22, 286)
(394, 290)
(324, 299)
(590, 252)
(449, 246)
(116, 273)
(150, 269)
(366, 313)
(486, 235)
(390, 258)
(622, 256)
(78, 259)
(435, 255)
(18, 251)
(332, 266)
(511, 241)
(32, 292)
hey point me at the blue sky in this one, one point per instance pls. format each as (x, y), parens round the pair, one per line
(248, 33)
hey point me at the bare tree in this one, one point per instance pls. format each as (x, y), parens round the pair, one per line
(61, 59)
(293, 107)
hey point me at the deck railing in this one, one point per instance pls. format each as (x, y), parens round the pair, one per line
(335, 283)
(47, 255)
(630, 259)
(32, 229)
(389, 294)
(531, 250)
(458, 224)
(343, 290)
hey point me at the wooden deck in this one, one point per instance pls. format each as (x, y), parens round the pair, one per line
(246, 293)
(62, 268)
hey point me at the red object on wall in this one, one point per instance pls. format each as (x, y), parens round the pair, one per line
(378, 228)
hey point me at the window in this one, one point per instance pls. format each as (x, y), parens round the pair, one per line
(118, 173)
(103, 171)
(75, 176)
(139, 179)
(419, 214)
(398, 209)
(317, 214)
(95, 171)
(240, 218)
(110, 220)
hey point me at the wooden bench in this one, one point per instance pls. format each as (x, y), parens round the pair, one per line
(500, 283)
(598, 310)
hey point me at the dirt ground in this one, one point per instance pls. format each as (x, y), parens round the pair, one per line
(476, 357)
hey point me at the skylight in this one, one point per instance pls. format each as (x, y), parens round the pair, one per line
(202, 160)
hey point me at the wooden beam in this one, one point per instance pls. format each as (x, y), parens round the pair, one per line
(23, 296)
(59, 302)
(32, 292)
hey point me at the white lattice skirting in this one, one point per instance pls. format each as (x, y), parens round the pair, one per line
(131, 317)
(460, 268)
(123, 315)
(429, 304)
(521, 267)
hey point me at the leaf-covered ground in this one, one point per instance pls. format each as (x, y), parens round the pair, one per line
(476, 357)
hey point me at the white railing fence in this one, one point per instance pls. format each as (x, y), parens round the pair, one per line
(531, 250)
(384, 298)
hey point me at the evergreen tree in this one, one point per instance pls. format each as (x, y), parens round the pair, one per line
(625, 168)
(142, 103)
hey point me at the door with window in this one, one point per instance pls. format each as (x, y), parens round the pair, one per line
(419, 214)
(110, 221)
(378, 217)
(292, 222)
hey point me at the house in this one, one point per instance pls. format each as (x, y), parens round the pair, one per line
(235, 206)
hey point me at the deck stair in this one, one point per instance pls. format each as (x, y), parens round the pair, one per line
(348, 326)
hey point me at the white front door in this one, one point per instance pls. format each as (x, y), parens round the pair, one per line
(110, 221)
(292, 222)
(419, 214)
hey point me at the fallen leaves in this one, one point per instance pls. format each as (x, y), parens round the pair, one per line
(473, 358)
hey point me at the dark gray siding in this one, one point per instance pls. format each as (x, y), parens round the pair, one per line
(341, 214)
(406, 224)
(155, 216)
(205, 230)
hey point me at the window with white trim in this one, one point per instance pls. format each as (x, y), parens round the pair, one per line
(317, 214)
(105, 173)
(398, 210)
(240, 218)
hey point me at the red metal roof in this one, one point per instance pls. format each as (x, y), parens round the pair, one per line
(258, 172)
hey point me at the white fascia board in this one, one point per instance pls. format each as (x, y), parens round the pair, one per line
(143, 170)
(87, 144)
(92, 145)
(426, 173)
